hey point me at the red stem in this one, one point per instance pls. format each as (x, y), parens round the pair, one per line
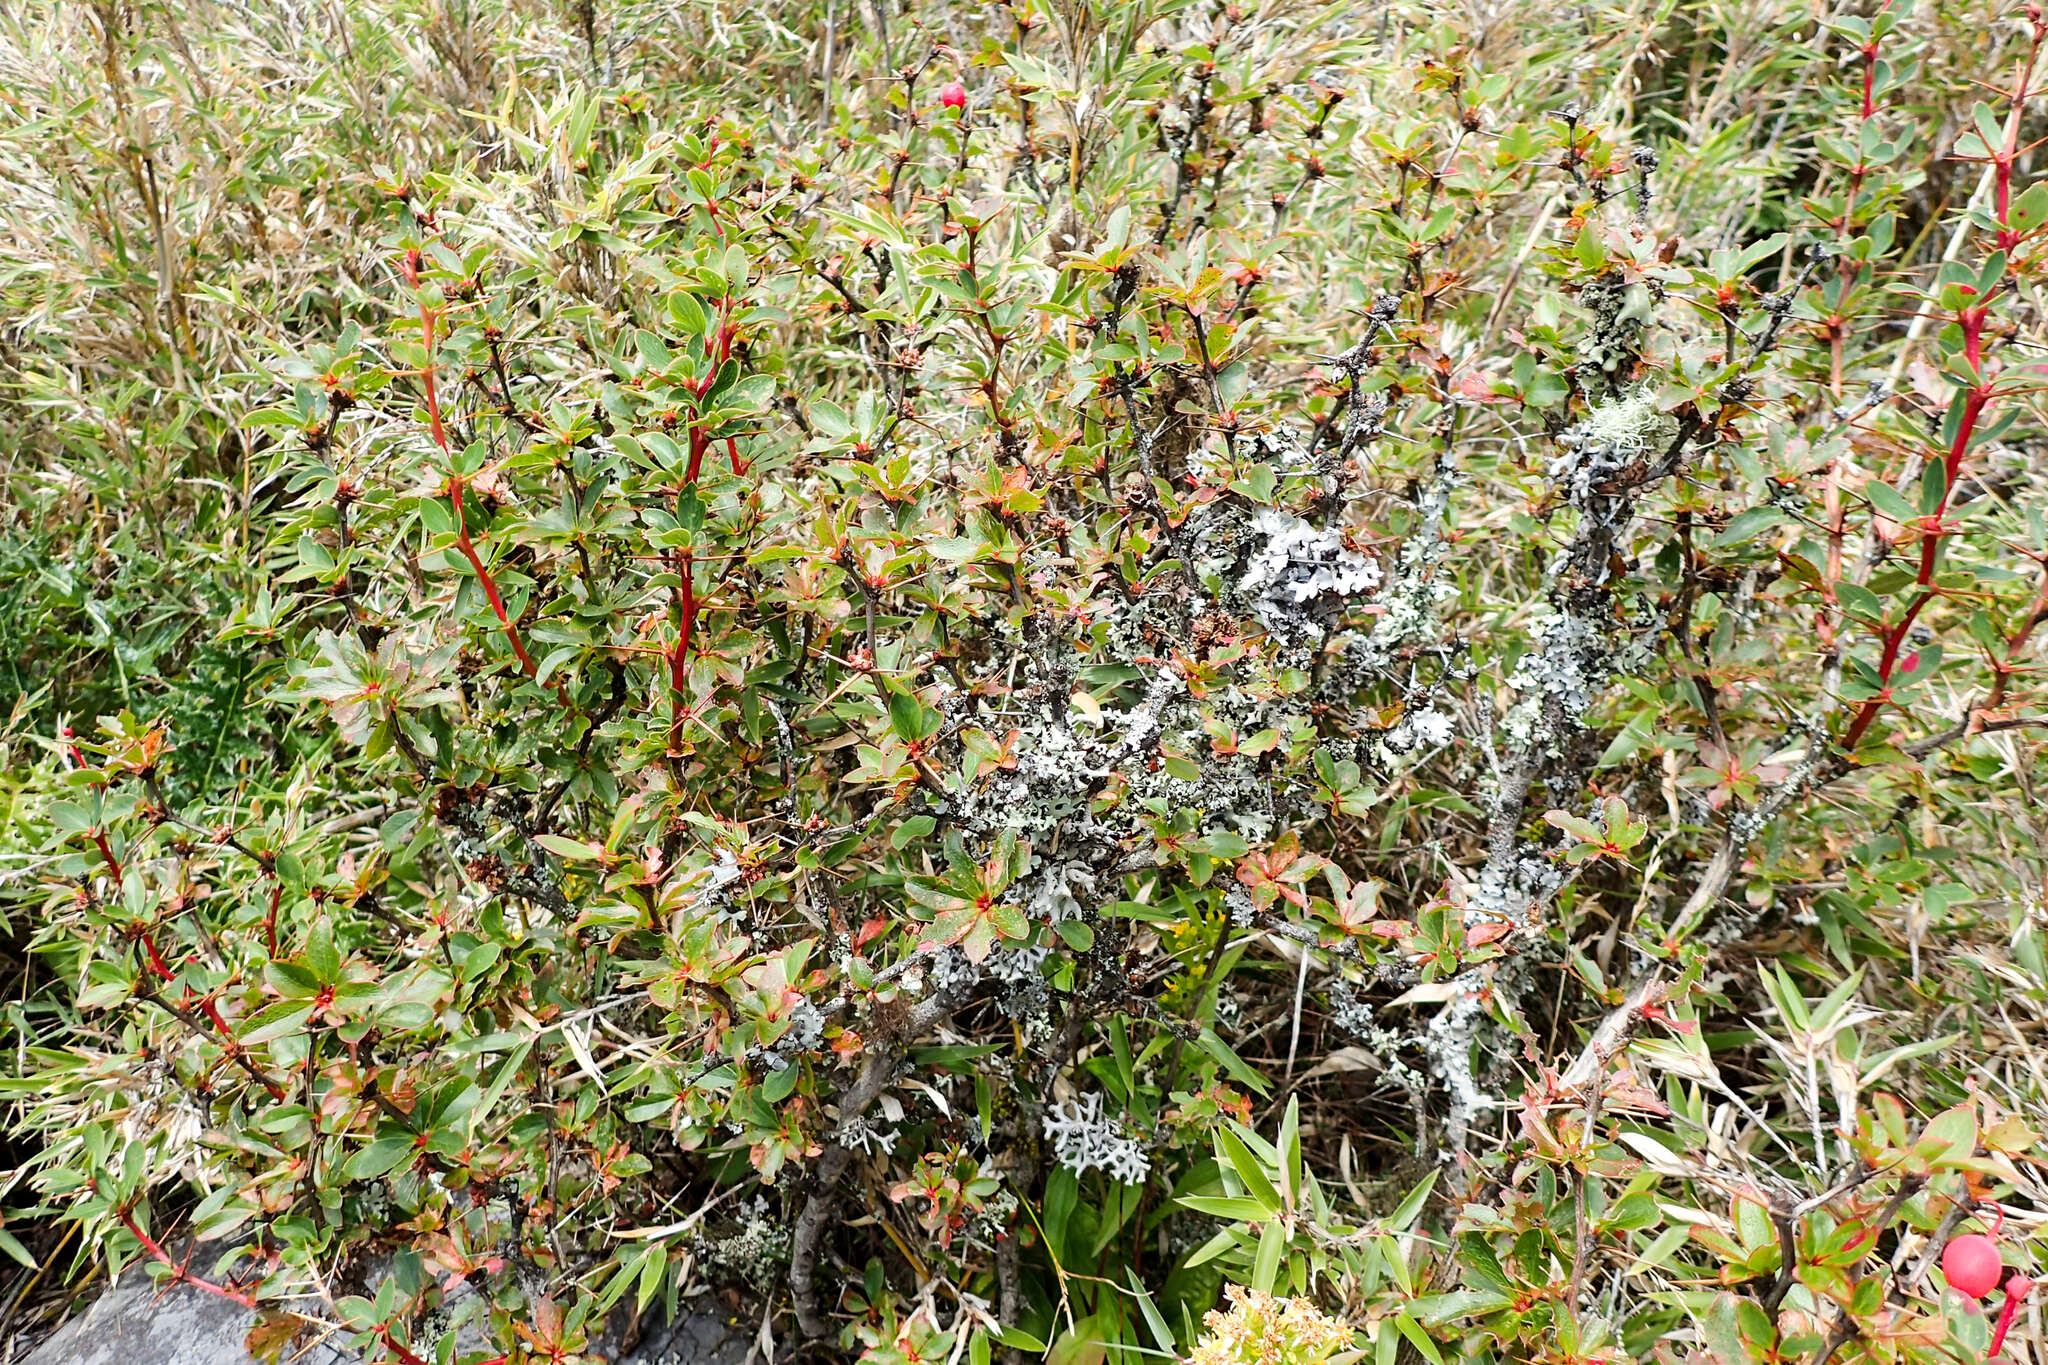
(427, 377)
(2015, 1289)
(1972, 321)
(270, 915)
(179, 1274)
(212, 1011)
(679, 657)
(107, 852)
(156, 960)
(392, 1343)
(457, 484)
(1974, 404)
(2008, 152)
(686, 591)
(698, 441)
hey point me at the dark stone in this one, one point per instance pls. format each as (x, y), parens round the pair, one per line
(135, 1323)
(693, 1339)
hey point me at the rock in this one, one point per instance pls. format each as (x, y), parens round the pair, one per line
(693, 1339)
(135, 1323)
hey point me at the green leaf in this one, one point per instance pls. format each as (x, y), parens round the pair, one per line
(1437, 1309)
(275, 1020)
(321, 954)
(1214, 1247)
(1266, 1266)
(911, 830)
(383, 1155)
(1233, 1209)
(1886, 499)
(575, 850)
(508, 1072)
(1411, 1207)
(1231, 1062)
(1418, 1338)
(1076, 934)
(1745, 527)
(1249, 1170)
(781, 1084)
(1950, 1136)
(1290, 1169)
(1162, 1335)
(15, 1250)
(910, 718)
(1724, 1337)
(1062, 1192)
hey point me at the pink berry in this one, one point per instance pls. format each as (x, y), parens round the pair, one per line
(1972, 1264)
(953, 95)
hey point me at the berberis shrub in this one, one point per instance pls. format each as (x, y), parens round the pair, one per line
(943, 675)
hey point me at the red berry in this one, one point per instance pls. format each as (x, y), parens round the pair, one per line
(1972, 1264)
(953, 95)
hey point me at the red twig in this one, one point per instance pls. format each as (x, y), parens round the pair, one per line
(156, 959)
(406, 1356)
(1971, 319)
(687, 605)
(179, 1273)
(99, 837)
(212, 1011)
(679, 656)
(114, 870)
(458, 485)
(392, 1343)
(1974, 402)
(270, 915)
(2008, 152)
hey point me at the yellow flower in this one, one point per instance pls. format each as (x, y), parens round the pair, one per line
(1259, 1329)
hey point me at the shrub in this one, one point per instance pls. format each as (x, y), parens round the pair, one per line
(945, 714)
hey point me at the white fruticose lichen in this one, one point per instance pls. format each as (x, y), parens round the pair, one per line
(1299, 578)
(756, 1250)
(1012, 966)
(1054, 900)
(1408, 605)
(952, 972)
(1622, 311)
(1422, 727)
(1082, 1137)
(1449, 1039)
(865, 1135)
(1610, 438)
(806, 1033)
